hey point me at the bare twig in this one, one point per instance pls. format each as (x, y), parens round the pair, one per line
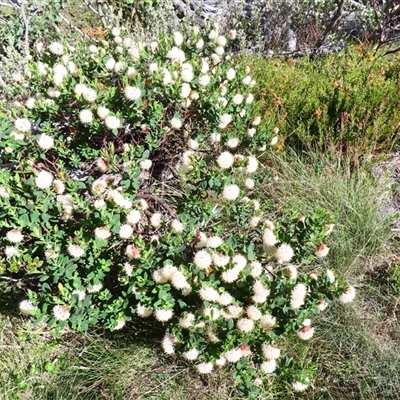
(7, 5)
(332, 25)
(101, 13)
(91, 8)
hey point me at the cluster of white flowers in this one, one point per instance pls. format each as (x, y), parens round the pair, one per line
(116, 196)
(87, 93)
(175, 276)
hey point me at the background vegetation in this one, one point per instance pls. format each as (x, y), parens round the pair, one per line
(337, 118)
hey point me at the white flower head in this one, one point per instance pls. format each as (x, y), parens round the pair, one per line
(176, 55)
(145, 164)
(202, 259)
(178, 38)
(4, 193)
(225, 160)
(230, 275)
(233, 355)
(191, 354)
(26, 307)
(11, 251)
(111, 121)
(271, 352)
(209, 294)
(15, 236)
(89, 95)
(176, 123)
(219, 259)
(268, 321)
(232, 34)
(225, 299)
(163, 315)
(187, 75)
(269, 238)
(268, 367)
(143, 311)
(284, 253)
(256, 121)
(253, 313)
(205, 367)
(133, 217)
(298, 295)
(168, 344)
(81, 294)
(249, 98)
(237, 99)
(348, 295)
(185, 90)
(56, 48)
(53, 92)
(22, 125)
(156, 220)
(231, 192)
(75, 250)
(110, 64)
(177, 226)
(44, 180)
(125, 231)
(245, 325)
(204, 80)
(132, 93)
(187, 321)
(233, 143)
(299, 387)
(102, 233)
(230, 75)
(86, 116)
(306, 333)
(256, 269)
(59, 186)
(131, 72)
(61, 313)
(224, 120)
(322, 250)
(252, 164)
(45, 142)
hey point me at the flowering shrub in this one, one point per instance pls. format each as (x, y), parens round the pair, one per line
(133, 187)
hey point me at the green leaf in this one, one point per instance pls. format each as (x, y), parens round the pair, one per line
(24, 220)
